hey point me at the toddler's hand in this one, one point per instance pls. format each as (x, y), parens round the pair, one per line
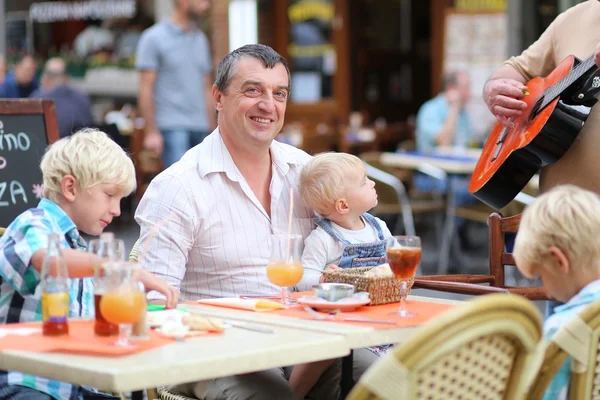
(330, 267)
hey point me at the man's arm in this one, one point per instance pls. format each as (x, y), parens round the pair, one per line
(210, 107)
(153, 140)
(167, 219)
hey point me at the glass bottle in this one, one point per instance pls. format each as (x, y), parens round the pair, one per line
(104, 249)
(55, 290)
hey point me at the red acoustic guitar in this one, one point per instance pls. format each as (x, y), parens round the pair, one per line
(557, 108)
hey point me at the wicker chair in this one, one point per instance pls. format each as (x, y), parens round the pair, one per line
(580, 339)
(498, 258)
(482, 350)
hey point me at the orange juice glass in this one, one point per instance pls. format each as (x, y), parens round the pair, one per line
(285, 267)
(123, 300)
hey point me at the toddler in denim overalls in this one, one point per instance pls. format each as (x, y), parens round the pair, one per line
(336, 186)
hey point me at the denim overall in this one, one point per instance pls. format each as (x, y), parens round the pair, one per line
(361, 255)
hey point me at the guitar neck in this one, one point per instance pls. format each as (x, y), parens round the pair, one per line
(580, 70)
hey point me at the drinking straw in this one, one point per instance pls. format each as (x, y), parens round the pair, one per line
(153, 231)
(289, 235)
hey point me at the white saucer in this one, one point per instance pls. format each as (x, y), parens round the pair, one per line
(346, 304)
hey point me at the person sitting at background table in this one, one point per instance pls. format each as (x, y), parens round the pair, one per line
(85, 176)
(336, 186)
(443, 122)
(21, 81)
(220, 204)
(559, 243)
(73, 107)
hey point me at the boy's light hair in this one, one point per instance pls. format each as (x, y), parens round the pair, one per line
(92, 158)
(567, 217)
(322, 180)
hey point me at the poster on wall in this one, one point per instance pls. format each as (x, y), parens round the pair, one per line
(476, 43)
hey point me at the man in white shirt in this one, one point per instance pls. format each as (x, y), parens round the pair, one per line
(206, 220)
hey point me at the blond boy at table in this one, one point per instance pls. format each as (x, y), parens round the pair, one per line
(336, 186)
(85, 176)
(559, 243)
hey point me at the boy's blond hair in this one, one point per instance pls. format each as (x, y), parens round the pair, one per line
(322, 180)
(567, 217)
(92, 158)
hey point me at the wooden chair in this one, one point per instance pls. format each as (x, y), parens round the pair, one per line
(580, 339)
(481, 350)
(498, 258)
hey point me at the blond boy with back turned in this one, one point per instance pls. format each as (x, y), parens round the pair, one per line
(559, 243)
(85, 176)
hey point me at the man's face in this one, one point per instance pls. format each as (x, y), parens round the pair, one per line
(464, 87)
(25, 71)
(252, 110)
(197, 8)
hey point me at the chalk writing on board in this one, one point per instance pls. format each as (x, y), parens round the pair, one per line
(15, 189)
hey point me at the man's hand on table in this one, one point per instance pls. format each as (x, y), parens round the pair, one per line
(152, 282)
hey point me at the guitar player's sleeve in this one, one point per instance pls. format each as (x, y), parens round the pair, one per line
(539, 59)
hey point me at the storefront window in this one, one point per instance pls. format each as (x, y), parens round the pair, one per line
(311, 52)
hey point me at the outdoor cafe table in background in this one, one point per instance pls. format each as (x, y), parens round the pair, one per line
(443, 163)
(236, 351)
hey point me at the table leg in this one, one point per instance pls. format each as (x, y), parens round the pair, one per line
(347, 380)
(448, 227)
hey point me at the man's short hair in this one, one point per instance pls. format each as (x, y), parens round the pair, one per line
(450, 79)
(269, 57)
(567, 217)
(322, 180)
(92, 158)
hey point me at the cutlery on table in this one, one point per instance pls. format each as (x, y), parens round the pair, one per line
(243, 325)
(332, 315)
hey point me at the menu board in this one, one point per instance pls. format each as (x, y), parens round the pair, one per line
(26, 129)
(476, 43)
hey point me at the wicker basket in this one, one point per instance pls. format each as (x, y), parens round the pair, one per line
(382, 290)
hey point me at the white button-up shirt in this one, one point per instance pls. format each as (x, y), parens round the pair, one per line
(204, 231)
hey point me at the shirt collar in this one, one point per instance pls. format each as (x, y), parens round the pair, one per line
(178, 29)
(590, 292)
(65, 223)
(220, 159)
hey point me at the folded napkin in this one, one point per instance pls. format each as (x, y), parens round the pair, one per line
(244, 304)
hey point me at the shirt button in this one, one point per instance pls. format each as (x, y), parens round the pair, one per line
(351, 251)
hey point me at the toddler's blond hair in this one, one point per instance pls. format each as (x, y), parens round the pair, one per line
(322, 180)
(567, 217)
(92, 158)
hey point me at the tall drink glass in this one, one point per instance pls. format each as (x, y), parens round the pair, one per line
(124, 300)
(106, 249)
(285, 266)
(404, 256)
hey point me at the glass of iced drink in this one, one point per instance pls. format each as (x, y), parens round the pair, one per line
(403, 255)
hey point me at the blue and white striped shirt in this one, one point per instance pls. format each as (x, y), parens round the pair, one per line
(19, 282)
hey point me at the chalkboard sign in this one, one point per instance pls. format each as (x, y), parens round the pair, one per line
(26, 128)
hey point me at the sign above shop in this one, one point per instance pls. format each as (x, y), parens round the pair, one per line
(78, 10)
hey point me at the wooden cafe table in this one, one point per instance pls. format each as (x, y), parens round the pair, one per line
(236, 351)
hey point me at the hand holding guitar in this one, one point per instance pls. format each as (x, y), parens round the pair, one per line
(502, 97)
